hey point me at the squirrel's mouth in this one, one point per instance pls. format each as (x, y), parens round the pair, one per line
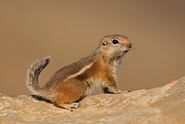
(126, 51)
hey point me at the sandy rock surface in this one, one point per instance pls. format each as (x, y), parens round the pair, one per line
(162, 105)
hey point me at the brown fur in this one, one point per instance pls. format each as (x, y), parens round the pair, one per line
(72, 83)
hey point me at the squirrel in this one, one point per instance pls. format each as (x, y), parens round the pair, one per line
(70, 84)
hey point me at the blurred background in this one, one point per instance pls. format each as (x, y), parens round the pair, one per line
(68, 30)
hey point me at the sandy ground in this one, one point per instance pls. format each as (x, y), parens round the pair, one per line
(162, 105)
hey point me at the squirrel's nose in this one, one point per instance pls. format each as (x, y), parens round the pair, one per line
(129, 45)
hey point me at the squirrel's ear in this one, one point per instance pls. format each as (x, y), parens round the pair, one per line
(104, 43)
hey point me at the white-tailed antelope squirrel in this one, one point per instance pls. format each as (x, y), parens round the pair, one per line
(73, 82)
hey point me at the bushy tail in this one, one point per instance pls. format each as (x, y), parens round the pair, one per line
(33, 74)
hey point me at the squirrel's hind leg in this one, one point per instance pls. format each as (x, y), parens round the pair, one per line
(69, 107)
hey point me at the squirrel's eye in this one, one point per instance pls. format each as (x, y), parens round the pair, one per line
(115, 41)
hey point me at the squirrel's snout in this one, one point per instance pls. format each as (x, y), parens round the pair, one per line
(129, 45)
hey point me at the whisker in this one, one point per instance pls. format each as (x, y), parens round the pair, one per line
(133, 51)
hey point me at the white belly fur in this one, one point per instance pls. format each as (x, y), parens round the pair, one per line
(94, 83)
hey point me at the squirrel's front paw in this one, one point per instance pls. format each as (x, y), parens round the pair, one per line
(118, 91)
(112, 90)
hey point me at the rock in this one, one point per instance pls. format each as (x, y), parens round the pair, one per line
(162, 105)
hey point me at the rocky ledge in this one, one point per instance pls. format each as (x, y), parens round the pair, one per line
(162, 105)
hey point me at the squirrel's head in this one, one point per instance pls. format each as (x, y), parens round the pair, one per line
(115, 45)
